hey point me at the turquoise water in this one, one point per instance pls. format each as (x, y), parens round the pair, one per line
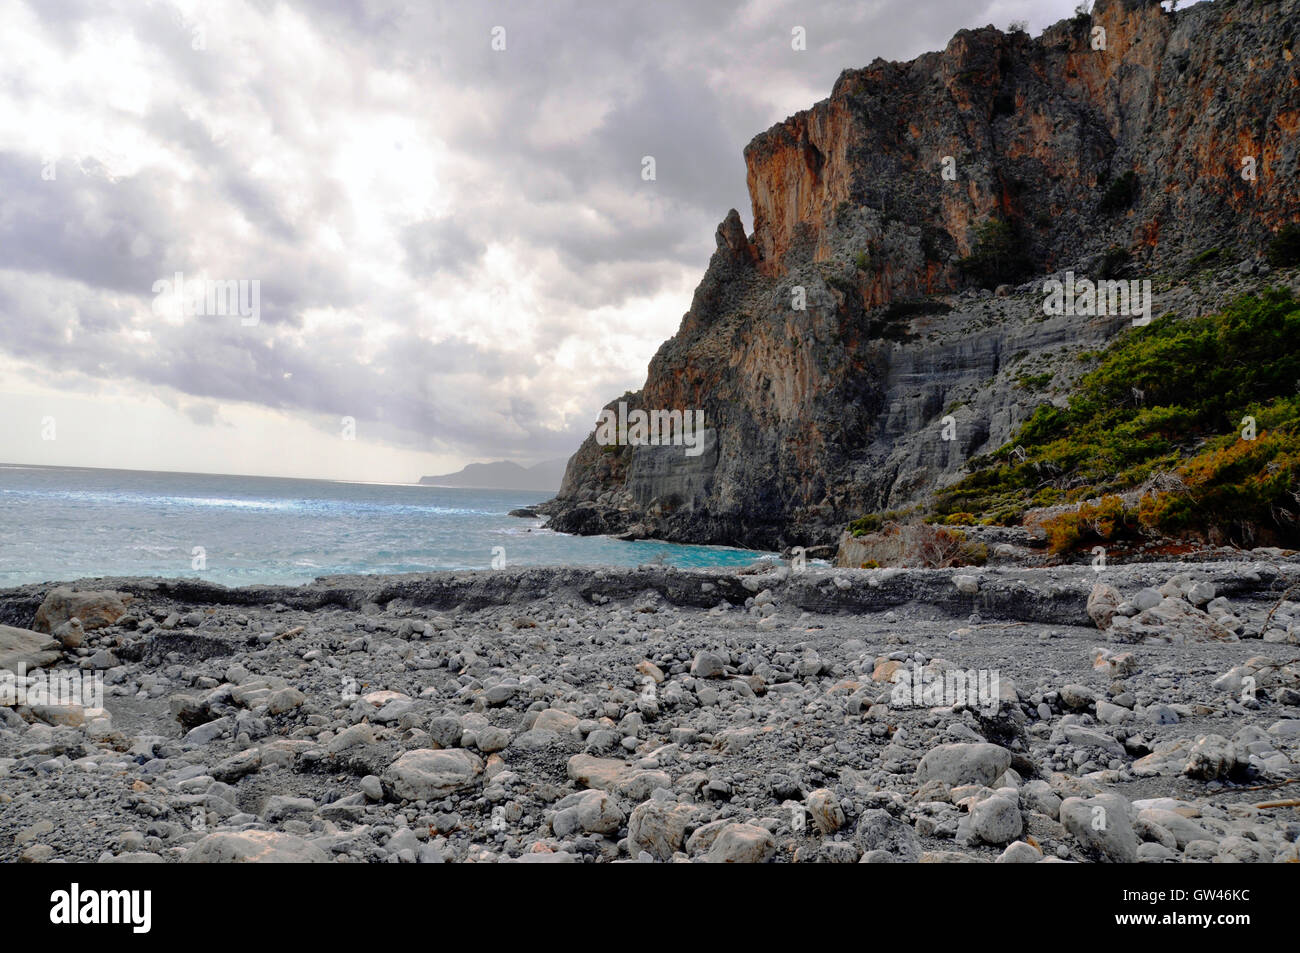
(61, 523)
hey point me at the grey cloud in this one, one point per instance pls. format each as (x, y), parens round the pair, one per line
(222, 166)
(441, 245)
(203, 414)
(81, 225)
(685, 81)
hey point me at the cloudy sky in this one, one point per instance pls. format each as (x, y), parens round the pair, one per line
(454, 244)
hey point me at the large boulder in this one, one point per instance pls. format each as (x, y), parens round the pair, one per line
(658, 828)
(1184, 830)
(254, 847)
(427, 774)
(956, 764)
(553, 719)
(708, 664)
(94, 609)
(827, 814)
(1213, 757)
(592, 811)
(741, 844)
(617, 777)
(877, 830)
(996, 820)
(1173, 619)
(1102, 826)
(1168, 758)
(1103, 602)
(27, 648)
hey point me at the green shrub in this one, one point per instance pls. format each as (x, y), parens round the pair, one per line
(866, 524)
(998, 255)
(934, 240)
(1035, 381)
(1113, 262)
(1197, 379)
(1120, 193)
(1284, 249)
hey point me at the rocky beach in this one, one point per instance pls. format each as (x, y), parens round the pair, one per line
(958, 520)
(1146, 712)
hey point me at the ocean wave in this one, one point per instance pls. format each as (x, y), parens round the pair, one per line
(238, 503)
(70, 524)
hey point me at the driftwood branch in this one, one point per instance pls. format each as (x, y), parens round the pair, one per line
(1289, 589)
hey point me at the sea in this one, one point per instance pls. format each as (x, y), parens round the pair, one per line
(65, 523)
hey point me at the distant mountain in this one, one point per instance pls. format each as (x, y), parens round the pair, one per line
(503, 475)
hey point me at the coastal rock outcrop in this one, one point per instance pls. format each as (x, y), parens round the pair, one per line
(848, 357)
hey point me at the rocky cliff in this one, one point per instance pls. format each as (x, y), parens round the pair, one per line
(852, 353)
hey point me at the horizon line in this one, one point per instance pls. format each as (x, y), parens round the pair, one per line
(7, 465)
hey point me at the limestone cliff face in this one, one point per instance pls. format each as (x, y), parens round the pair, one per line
(818, 415)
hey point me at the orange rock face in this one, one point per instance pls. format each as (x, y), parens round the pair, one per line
(1033, 124)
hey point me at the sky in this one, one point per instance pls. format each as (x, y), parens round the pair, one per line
(440, 206)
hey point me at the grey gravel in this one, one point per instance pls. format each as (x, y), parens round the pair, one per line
(659, 715)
